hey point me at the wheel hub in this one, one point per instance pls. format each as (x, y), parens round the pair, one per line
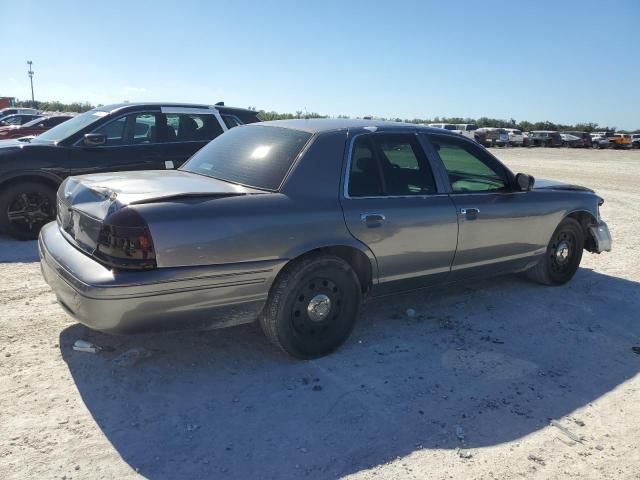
(562, 252)
(319, 307)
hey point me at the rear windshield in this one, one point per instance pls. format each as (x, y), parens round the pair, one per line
(254, 156)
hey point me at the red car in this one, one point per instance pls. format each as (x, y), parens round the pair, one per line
(34, 127)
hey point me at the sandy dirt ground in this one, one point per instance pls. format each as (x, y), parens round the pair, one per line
(503, 379)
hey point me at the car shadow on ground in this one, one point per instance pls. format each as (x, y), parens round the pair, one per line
(474, 366)
(17, 251)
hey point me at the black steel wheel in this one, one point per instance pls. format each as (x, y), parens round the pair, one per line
(563, 255)
(25, 208)
(312, 306)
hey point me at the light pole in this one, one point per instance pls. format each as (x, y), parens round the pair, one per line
(30, 72)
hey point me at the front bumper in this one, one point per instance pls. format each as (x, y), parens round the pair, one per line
(178, 298)
(601, 237)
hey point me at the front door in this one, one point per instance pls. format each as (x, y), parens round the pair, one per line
(132, 143)
(501, 228)
(392, 203)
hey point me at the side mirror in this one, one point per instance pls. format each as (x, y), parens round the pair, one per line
(524, 182)
(94, 139)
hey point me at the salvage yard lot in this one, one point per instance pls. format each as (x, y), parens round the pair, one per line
(464, 388)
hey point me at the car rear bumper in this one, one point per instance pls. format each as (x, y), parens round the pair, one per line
(160, 299)
(601, 237)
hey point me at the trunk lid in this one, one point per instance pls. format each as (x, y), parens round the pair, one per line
(85, 202)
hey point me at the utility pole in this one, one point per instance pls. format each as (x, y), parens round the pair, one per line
(30, 72)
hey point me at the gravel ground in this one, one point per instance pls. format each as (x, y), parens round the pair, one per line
(467, 387)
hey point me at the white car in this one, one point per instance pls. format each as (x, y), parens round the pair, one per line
(516, 138)
(600, 140)
(15, 111)
(446, 126)
(468, 130)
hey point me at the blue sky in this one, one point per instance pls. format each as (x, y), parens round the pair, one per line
(564, 61)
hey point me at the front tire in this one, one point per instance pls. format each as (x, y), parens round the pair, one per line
(312, 307)
(562, 257)
(25, 208)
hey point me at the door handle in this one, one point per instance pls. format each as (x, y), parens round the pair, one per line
(470, 213)
(373, 220)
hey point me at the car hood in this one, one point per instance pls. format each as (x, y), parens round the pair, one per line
(543, 184)
(12, 144)
(101, 194)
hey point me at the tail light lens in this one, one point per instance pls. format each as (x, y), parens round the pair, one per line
(125, 242)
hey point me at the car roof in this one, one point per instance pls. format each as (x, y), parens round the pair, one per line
(318, 125)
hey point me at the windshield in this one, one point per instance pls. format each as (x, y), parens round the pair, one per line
(71, 126)
(255, 156)
(11, 120)
(33, 122)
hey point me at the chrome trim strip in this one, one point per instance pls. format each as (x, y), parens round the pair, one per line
(200, 111)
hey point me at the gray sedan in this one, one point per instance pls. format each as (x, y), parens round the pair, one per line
(295, 223)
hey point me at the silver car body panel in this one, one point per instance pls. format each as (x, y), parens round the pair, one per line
(175, 298)
(220, 246)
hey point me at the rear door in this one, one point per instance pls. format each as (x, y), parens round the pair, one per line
(393, 203)
(186, 131)
(132, 143)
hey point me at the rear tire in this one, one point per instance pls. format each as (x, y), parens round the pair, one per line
(25, 208)
(562, 257)
(312, 307)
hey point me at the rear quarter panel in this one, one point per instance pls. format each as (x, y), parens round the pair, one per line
(303, 216)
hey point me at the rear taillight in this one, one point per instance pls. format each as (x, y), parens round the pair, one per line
(125, 242)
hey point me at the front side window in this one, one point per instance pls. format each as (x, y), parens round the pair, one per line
(114, 132)
(468, 168)
(133, 129)
(144, 129)
(389, 164)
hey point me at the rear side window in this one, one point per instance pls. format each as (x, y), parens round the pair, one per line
(183, 127)
(231, 121)
(255, 156)
(389, 165)
(365, 176)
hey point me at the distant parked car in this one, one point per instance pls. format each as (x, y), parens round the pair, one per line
(493, 137)
(601, 139)
(545, 138)
(18, 119)
(635, 140)
(516, 138)
(16, 110)
(34, 127)
(620, 140)
(446, 126)
(569, 140)
(470, 130)
(294, 223)
(132, 136)
(583, 139)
